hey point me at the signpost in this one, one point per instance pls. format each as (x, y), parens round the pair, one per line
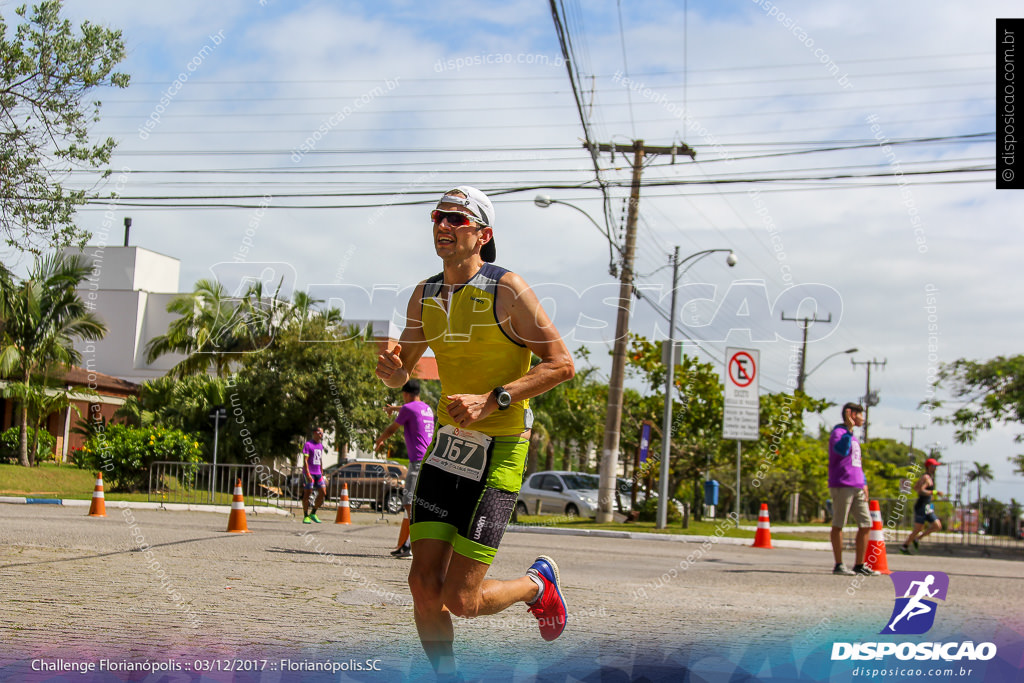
(741, 413)
(219, 413)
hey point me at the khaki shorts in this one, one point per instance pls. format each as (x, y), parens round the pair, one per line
(846, 500)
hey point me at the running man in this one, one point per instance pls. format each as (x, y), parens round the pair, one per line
(313, 476)
(915, 606)
(924, 511)
(483, 323)
(416, 420)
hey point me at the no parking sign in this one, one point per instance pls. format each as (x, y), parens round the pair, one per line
(740, 419)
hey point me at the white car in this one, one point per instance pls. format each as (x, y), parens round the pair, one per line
(573, 494)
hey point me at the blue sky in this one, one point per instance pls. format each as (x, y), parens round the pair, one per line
(486, 81)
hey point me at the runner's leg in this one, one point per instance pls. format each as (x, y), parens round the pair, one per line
(468, 594)
(426, 582)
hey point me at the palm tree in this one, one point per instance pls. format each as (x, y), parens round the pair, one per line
(6, 287)
(981, 472)
(43, 316)
(210, 331)
(215, 329)
(180, 404)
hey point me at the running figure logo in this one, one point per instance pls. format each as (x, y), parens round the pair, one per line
(916, 592)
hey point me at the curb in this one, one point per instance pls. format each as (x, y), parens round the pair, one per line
(140, 505)
(672, 538)
(515, 528)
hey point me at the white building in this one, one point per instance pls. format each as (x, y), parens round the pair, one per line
(129, 290)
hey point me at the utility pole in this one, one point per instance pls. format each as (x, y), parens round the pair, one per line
(869, 399)
(911, 429)
(613, 418)
(805, 323)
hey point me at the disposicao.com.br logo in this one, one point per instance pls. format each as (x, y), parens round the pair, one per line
(914, 614)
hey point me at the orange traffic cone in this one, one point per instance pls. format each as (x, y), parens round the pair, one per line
(874, 556)
(403, 533)
(344, 513)
(236, 520)
(763, 537)
(98, 507)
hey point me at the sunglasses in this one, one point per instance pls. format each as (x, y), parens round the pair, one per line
(454, 218)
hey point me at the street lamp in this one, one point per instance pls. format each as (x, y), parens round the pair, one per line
(613, 417)
(804, 377)
(544, 201)
(670, 362)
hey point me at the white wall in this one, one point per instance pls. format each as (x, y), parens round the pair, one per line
(129, 290)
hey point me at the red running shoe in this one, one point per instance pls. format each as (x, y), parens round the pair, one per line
(550, 607)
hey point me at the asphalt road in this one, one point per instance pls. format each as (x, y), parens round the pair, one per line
(146, 588)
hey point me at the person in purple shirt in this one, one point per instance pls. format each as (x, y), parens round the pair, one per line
(417, 422)
(849, 490)
(313, 476)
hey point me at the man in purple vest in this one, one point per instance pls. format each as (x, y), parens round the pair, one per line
(417, 421)
(313, 476)
(849, 490)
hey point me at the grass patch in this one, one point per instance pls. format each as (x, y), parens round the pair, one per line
(68, 482)
(46, 481)
(721, 527)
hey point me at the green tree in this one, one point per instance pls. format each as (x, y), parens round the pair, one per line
(9, 441)
(44, 399)
(44, 317)
(48, 71)
(696, 442)
(212, 329)
(698, 450)
(986, 393)
(124, 453)
(184, 404)
(1018, 464)
(981, 472)
(215, 330)
(570, 417)
(305, 377)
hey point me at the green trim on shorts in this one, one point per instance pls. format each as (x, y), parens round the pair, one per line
(438, 531)
(473, 550)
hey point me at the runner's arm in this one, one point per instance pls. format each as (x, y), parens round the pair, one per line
(393, 365)
(527, 323)
(922, 483)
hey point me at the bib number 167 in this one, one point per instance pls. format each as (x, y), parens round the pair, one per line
(457, 448)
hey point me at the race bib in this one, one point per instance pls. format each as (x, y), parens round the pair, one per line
(462, 452)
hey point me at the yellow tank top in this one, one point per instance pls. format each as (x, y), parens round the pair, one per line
(474, 355)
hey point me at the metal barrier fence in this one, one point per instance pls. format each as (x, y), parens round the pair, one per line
(207, 484)
(262, 486)
(958, 530)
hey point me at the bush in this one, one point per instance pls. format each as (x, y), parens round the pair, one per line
(649, 511)
(125, 453)
(9, 444)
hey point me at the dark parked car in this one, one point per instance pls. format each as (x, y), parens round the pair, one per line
(379, 484)
(376, 483)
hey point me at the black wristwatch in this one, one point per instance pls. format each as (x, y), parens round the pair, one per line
(503, 398)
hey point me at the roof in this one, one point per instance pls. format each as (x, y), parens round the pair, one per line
(107, 384)
(426, 368)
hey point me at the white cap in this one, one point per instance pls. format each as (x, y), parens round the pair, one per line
(480, 206)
